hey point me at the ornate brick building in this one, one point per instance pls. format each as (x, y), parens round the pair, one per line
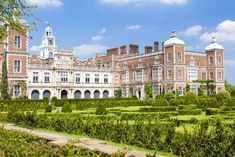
(57, 72)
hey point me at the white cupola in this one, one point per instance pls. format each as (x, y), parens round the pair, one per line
(214, 45)
(48, 43)
(174, 40)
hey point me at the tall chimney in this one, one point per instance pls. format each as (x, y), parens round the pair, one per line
(133, 49)
(148, 49)
(123, 50)
(156, 46)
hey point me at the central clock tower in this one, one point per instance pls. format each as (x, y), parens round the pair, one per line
(48, 44)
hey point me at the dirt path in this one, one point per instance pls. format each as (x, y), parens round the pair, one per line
(88, 143)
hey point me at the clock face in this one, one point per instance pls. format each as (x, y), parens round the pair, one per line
(50, 42)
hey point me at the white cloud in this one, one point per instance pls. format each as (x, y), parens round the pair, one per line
(102, 31)
(133, 27)
(97, 38)
(35, 49)
(46, 3)
(225, 32)
(141, 2)
(193, 30)
(88, 50)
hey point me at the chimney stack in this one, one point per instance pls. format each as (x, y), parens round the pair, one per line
(148, 49)
(123, 50)
(156, 46)
(133, 49)
(113, 51)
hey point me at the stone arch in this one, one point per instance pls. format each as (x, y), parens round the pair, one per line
(77, 94)
(47, 94)
(64, 94)
(106, 94)
(87, 94)
(97, 94)
(35, 95)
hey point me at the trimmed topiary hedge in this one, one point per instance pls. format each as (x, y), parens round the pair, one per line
(190, 112)
(158, 109)
(212, 111)
(22, 105)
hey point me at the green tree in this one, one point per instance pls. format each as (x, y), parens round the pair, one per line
(228, 87)
(169, 96)
(223, 97)
(190, 98)
(4, 81)
(11, 14)
(149, 90)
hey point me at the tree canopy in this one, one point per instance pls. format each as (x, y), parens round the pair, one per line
(12, 13)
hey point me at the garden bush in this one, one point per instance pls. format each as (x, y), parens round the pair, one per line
(157, 109)
(66, 108)
(48, 108)
(190, 112)
(101, 110)
(212, 111)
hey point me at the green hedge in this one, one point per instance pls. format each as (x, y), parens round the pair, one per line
(212, 111)
(22, 105)
(157, 109)
(146, 116)
(208, 138)
(19, 144)
(190, 112)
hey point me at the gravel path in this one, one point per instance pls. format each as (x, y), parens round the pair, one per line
(88, 143)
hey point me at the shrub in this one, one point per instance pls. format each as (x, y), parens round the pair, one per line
(223, 97)
(48, 108)
(66, 108)
(190, 112)
(212, 111)
(161, 101)
(169, 96)
(190, 98)
(157, 109)
(101, 110)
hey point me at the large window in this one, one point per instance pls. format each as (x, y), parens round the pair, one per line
(179, 73)
(17, 66)
(169, 74)
(87, 78)
(169, 57)
(203, 76)
(97, 80)
(138, 75)
(179, 56)
(64, 76)
(157, 74)
(211, 76)
(192, 73)
(211, 60)
(219, 60)
(16, 91)
(220, 76)
(17, 42)
(78, 78)
(46, 77)
(125, 77)
(106, 80)
(35, 77)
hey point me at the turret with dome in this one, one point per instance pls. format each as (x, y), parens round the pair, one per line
(48, 43)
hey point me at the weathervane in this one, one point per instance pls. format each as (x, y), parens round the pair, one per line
(47, 23)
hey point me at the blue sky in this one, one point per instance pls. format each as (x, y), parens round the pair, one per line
(92, 26)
